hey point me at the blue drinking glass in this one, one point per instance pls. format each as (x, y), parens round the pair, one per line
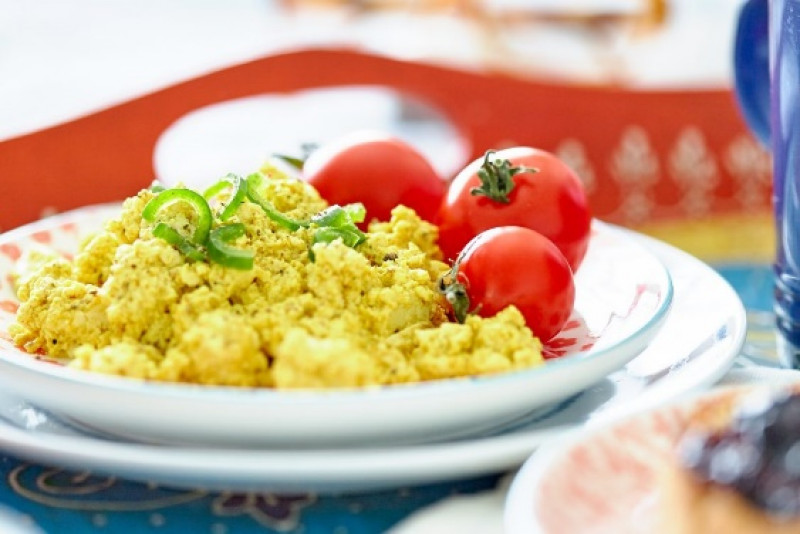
(767, 75)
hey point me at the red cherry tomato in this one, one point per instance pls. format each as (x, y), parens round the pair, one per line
(514, 265)
(377, 170)
(549, 199)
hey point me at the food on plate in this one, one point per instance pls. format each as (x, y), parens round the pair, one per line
(518, 186)
(378, 170)
(512, 265)
(739, 467)
(259, 282)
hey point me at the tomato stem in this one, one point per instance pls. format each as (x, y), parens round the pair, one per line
(454, 291)
(298, 162)
(456, 295)
(496, 176)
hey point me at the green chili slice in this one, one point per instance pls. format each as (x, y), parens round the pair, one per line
(356, 211)
(196, 200)
(338, 222)
(220, 252)
(253, 181)
(335, 217)
(171, 236)
(349, 236)
(340, 216)
(216, 189)
(238, 195)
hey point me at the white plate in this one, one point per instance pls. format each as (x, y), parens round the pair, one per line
(565, 486)
(13, 522)
(623, 294)
(696, 346)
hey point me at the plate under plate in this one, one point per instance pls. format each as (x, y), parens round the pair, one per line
(695, 347)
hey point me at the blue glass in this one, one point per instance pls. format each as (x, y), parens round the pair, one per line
(785, 98)
(767, 67)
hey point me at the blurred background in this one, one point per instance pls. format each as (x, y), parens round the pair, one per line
(59, 59)
(654, 130)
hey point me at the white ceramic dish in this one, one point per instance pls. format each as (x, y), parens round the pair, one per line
(624, 293)
(695, 347)
(13, 522)
(606, 479)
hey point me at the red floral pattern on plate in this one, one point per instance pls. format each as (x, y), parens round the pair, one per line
(61, 238)
(9, 306)
(43, 236)
(11, 250)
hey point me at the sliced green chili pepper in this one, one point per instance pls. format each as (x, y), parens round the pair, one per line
(196, 200)
(220, 252)
(337, 222)
(253, 181)
(216, 189)
(357, 212)
(338, 216)
(349, 236)
(332, 223)
(239, 186)
(171, 236)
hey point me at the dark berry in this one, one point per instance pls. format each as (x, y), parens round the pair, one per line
(758, 454)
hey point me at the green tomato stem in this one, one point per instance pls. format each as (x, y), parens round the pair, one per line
(497, 178)
(456, 294)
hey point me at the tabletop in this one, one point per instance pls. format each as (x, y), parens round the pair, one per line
(55, 500)
(38, 497)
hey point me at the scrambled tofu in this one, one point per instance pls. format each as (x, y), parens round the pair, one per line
(131, 304)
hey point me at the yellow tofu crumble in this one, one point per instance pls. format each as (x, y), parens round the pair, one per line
(131, 304)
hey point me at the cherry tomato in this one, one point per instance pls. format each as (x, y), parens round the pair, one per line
(519, 186)
(513, 265)
(377, 170)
